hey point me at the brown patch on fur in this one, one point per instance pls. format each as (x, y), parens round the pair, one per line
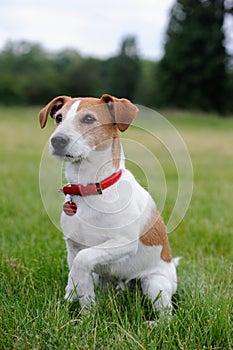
(116, 149)
(156, 235)
(123, 110)
(89, 102)
(69, 104)
(43, 115)
(102, 133)
(101, 130)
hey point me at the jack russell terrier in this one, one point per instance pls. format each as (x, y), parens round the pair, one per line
(111, 226)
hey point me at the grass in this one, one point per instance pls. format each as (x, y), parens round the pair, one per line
(33, 257)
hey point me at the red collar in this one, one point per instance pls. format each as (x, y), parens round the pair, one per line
(96, 188)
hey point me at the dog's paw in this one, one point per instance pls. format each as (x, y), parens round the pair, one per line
(71, 293)
(85, 300)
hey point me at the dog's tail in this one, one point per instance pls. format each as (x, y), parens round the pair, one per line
(176, 260)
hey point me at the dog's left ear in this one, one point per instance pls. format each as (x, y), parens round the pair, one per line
(51, 108)
(122, 110)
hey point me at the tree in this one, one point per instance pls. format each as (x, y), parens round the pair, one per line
(27, 74)
(192, 73)
(145, 91)
(82, 77)
(122, 72)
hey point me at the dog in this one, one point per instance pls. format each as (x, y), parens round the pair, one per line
(111, 226)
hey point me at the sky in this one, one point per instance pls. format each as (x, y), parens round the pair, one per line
(94, 28)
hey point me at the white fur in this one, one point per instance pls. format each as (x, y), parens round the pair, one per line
(102, 238)
(73, 110)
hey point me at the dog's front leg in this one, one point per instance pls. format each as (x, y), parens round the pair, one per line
(72, 250)
(80, 282)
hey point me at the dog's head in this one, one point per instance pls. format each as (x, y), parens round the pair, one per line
(85, 124)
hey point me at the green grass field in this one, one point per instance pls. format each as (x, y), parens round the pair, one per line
(33, 256)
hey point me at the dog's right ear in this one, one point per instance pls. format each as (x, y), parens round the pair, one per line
(51, 108)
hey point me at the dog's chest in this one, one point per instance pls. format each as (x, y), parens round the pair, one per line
(120, 210)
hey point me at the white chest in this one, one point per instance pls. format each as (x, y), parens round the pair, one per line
(121, 210)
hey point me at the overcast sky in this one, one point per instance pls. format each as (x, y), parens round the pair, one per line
(92, 27)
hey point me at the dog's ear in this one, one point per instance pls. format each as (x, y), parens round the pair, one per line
(51, 108)
(122, 110)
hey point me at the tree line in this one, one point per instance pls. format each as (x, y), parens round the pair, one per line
(31, 75)
(195, 71)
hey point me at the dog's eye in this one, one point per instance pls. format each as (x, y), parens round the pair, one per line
(58, 118)
(88, 119)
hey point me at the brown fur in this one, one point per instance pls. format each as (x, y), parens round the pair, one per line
(43, 115)
(116, 149)
(156, 235)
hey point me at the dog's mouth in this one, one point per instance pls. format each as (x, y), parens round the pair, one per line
(67, 157)
(64, 150)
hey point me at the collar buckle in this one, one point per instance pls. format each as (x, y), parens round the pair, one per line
(99, 188)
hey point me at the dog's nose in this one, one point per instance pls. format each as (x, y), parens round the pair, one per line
(59, 142)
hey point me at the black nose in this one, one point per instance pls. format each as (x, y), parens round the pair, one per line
(59, 142)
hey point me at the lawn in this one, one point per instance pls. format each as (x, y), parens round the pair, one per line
(34, 272)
